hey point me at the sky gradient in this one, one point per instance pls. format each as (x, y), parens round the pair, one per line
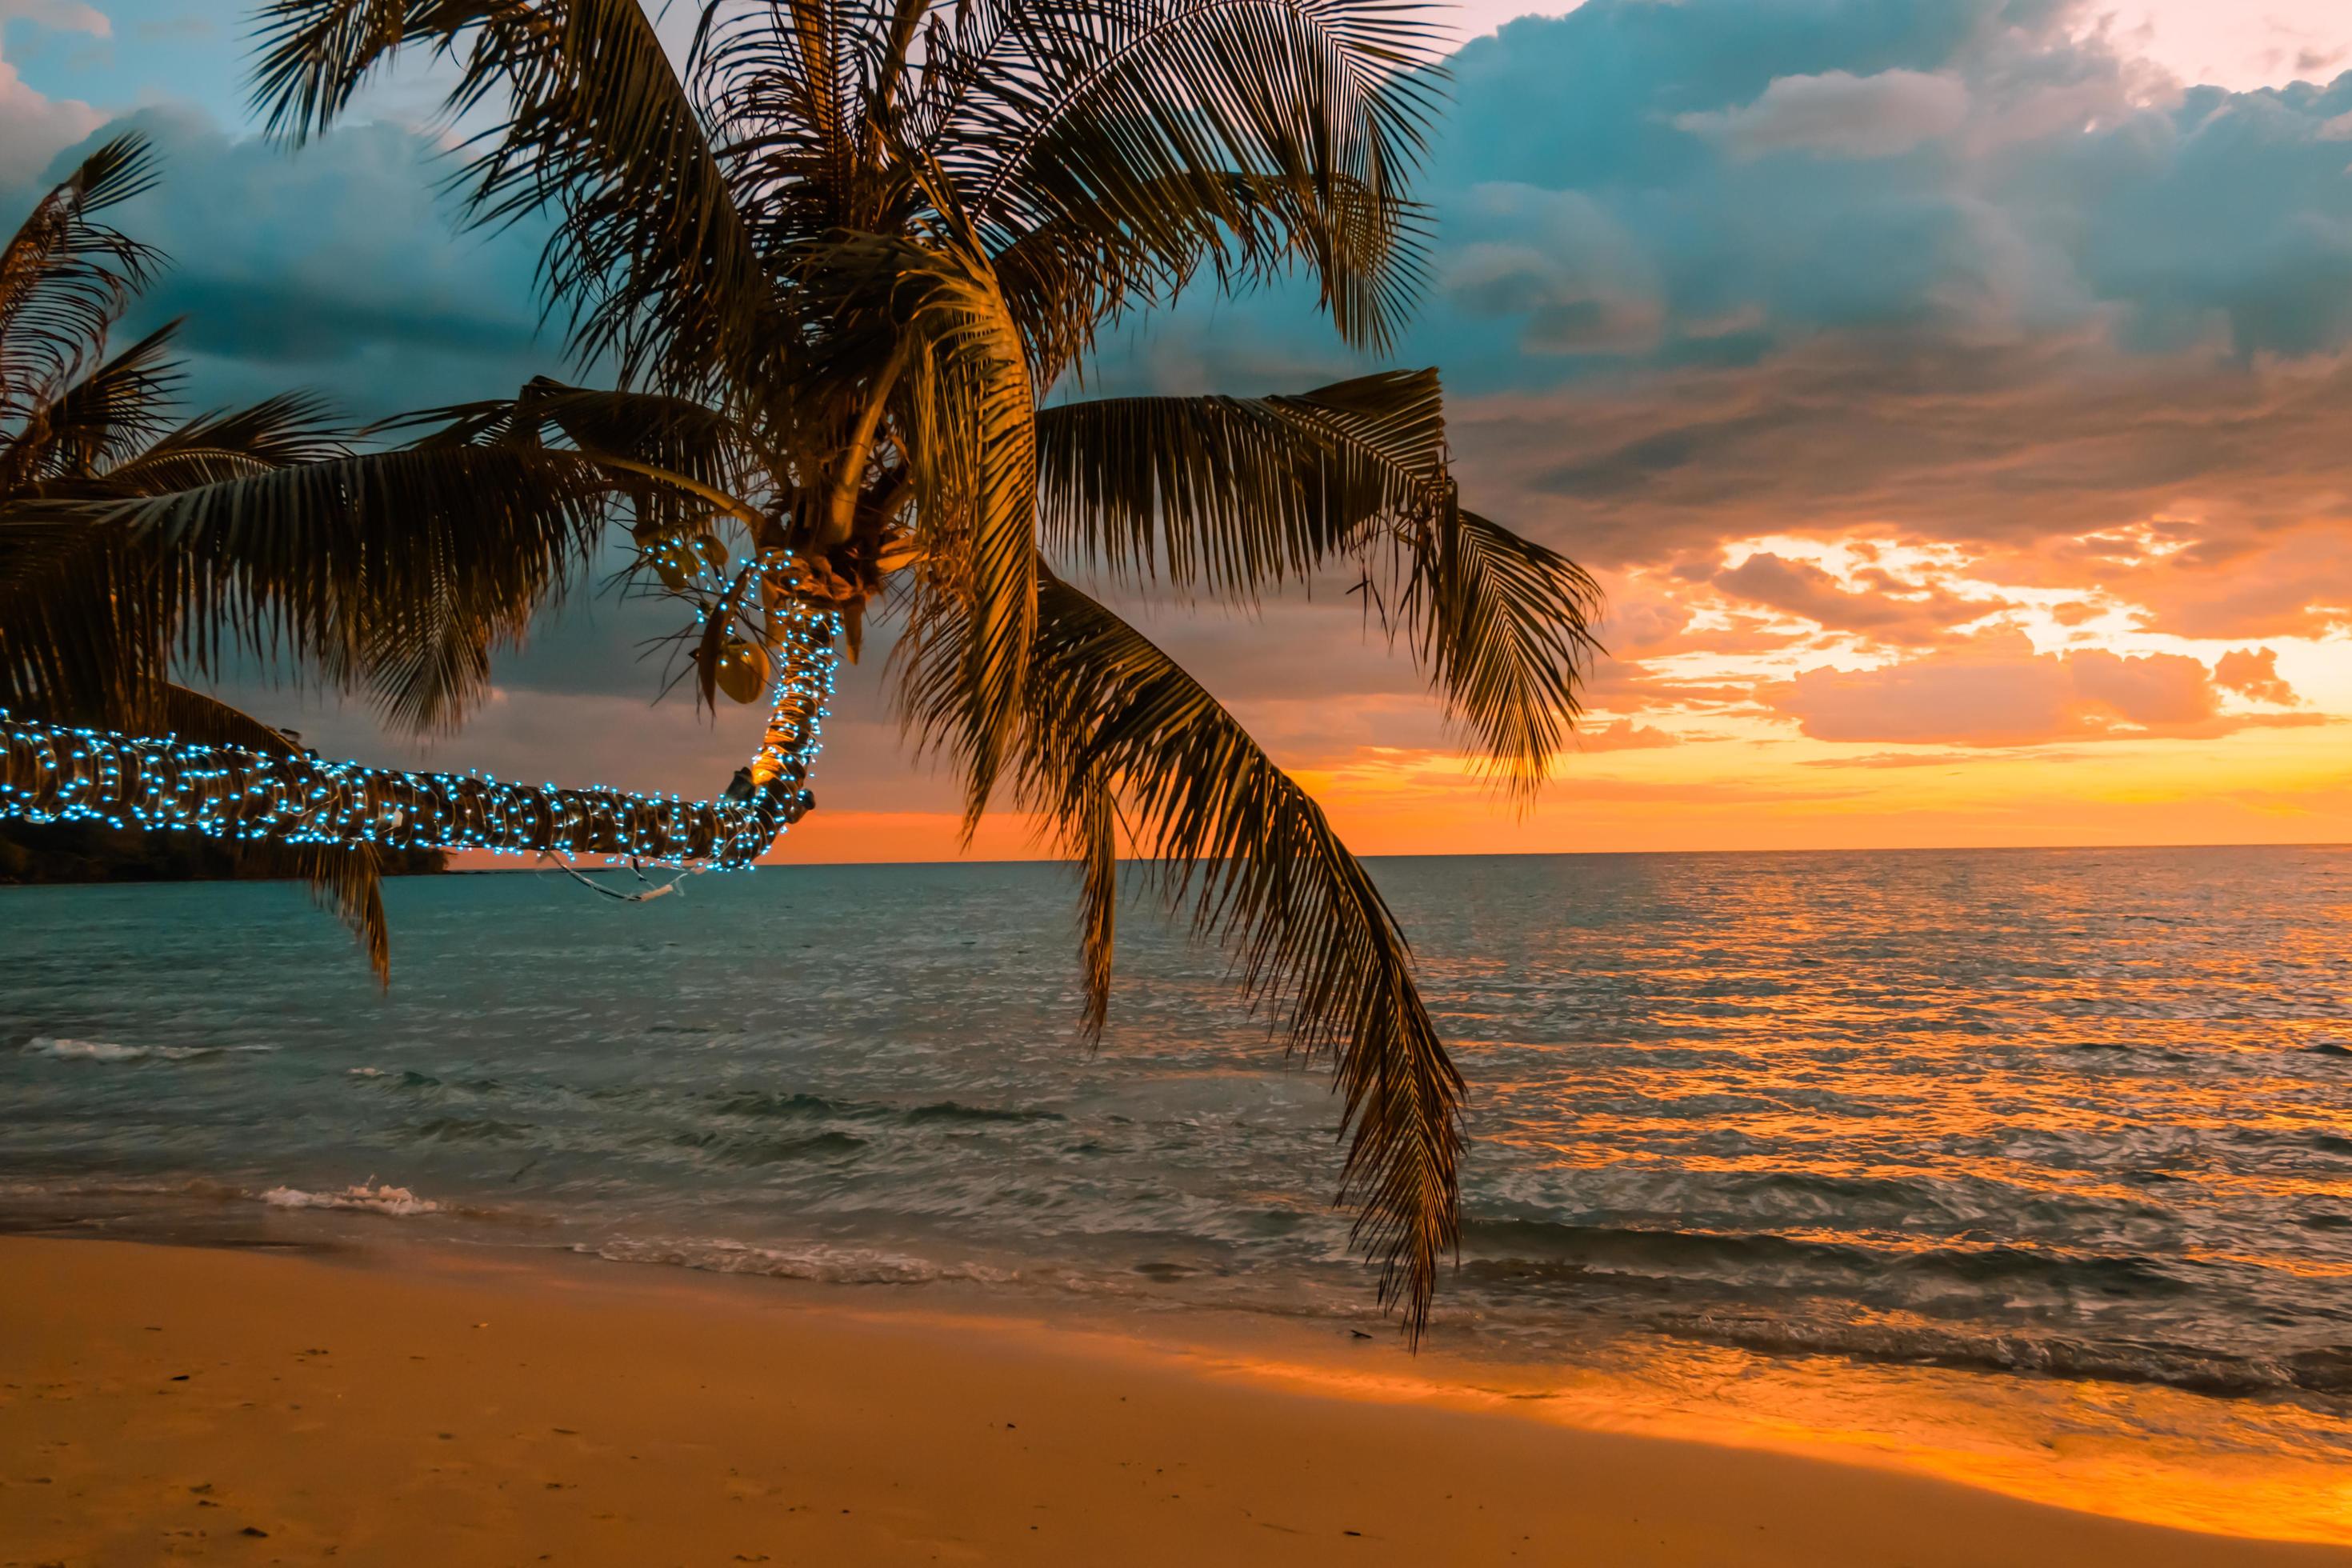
(1952, 395)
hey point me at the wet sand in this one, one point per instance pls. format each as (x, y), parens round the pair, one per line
(159, 1403)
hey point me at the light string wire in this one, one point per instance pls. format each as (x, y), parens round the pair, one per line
(55, 772)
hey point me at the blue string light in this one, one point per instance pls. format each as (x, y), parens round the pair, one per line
(52, 772)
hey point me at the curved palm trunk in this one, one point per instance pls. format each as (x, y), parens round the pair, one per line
(52, 772)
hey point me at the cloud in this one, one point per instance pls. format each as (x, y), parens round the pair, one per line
(32, 128)
(1625, 735)
(336, 268)
(1800, 588)
(2071, 187)
(2072, 190)
(1558, 261)
(1996, 691)
(60, 16)
(2253, 672)
(1875, 761)
(1839, 114)
(2215, 493)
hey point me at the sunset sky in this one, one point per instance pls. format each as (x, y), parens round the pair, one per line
(1954, 397)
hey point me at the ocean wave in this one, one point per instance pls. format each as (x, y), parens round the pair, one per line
(953, 1111)
(399, 1203)
(472, 1129)
(756, 1103)
(1502, 1251)
(108, 1051)
(762, 1104)
(812, 1261)
(424, 1085)
(765, 1150)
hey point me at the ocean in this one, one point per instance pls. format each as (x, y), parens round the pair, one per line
(2066, 1132)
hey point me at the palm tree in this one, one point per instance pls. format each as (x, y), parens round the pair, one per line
(135, 550)
(838, 259)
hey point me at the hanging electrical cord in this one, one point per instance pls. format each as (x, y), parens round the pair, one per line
(803, 681)
(650, 893)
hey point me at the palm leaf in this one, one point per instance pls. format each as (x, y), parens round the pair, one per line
(651, 257)
(1234, 838)
(345, 880)
(1230, 495)
(964, 416)
(94, 423)
(1078, 262)
(397, 572)
(678, 460)
(1504, 625)
(64, 277)
(1324, 102)
(280, 432)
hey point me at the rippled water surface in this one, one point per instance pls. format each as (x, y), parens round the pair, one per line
(2082, 1115)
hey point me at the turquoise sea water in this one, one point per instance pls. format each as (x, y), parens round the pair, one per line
(2078, 1115)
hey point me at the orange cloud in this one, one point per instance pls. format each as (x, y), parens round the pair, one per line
(1995, 690)
(1886, 611)
(1625, 735)
(2253, 672)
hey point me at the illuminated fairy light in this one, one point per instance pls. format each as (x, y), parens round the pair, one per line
(52, 772)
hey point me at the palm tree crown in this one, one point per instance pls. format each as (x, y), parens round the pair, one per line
(837, 256)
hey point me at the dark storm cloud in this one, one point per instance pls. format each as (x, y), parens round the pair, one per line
(337, 268)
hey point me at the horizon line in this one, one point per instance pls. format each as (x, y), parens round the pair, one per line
(502, 869)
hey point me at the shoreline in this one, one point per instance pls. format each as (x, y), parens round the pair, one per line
(407, 1403)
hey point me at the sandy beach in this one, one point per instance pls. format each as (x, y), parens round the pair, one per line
(162, 1403)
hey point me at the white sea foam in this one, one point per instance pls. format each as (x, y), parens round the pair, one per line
(108, 1051)
(387, 1199)
(831, 1265)
(364, 1072)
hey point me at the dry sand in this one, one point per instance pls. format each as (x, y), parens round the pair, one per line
(163, 1403)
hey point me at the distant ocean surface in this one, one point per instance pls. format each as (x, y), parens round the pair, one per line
(2071, 1115)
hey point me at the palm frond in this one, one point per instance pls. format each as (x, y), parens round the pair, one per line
(65, 277)
(81, 636)
(94, 423)
(964, 414)
(282, 432)
(345, 880)
(787, 74)
(90, 613)
(1233, 838)
(651, 257)
(396, 571)
(1504, 625)
(686, 461)
(1324, 103)
(1078, 263)
(1228, 495)
(1090, 826)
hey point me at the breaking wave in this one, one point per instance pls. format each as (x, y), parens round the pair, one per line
(66, 1050)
